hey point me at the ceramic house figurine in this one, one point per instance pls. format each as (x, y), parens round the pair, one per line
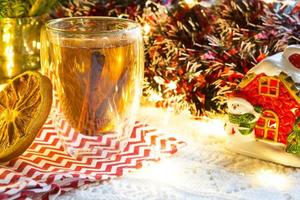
(265, 110)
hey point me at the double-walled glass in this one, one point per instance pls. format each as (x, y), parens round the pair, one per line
(96, 67)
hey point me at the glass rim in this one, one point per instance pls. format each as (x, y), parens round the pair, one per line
(134, 25)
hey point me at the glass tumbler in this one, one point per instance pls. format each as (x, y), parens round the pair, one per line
(96, 65)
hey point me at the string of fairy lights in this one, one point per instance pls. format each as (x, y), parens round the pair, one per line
(196, 52)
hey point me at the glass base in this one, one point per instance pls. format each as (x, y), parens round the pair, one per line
(79, 145)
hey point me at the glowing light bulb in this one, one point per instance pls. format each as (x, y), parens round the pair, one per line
(154, 97)
(147, 29)
(166, 171)
(172, 85)
(212, 127)
(271, 179)
(190, 3)
(10, 60)
(38, 45)
(270, 1)
(6, 36)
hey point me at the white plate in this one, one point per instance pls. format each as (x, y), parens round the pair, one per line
(268, 151)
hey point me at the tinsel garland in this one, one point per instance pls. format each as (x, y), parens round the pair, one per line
(198, 51)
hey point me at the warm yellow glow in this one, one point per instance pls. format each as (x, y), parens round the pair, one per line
(191, 3)
(6, 36)
(155, 97)
(270, 1)
(271, 179)
(166, 171)
(9, 54)
(2, 86)
(183, 123)
(147, 29)
(38, 45)
(212, 127)
(8, 50)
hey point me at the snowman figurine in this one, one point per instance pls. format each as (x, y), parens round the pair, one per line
(242, 116)
(264, 112)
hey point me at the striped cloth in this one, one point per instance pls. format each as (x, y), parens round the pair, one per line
(45, 170)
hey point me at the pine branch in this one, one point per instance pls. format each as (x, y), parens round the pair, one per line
(13, 8)
(26, 8)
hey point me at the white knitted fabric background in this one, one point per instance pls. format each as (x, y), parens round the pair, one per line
(203, 169)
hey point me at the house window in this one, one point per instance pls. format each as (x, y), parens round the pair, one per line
(267, 126)
(268, 86)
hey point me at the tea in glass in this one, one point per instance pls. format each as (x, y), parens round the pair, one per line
(96, 67)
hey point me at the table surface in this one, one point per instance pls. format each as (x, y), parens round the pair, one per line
(203, 169)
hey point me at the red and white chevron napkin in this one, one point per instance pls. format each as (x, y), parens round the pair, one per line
(44, 171)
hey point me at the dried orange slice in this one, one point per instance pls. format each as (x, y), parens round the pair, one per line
(25, 104)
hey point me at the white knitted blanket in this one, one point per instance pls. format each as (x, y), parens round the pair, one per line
(203, 169)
